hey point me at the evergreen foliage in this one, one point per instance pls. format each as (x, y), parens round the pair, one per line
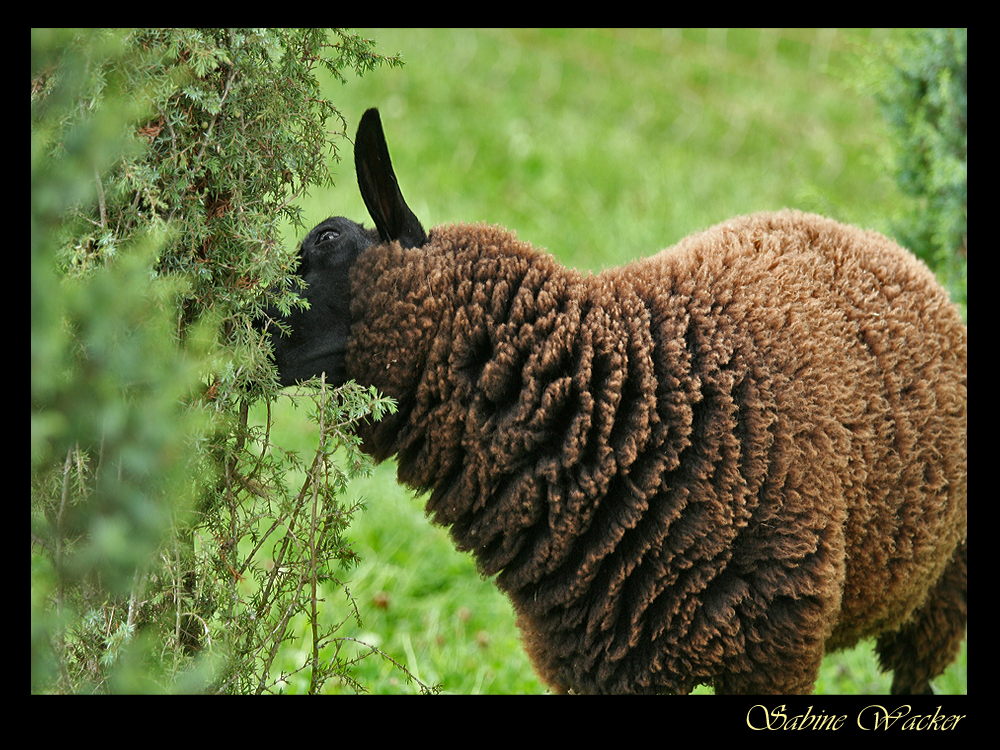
(921, 82)
(169, 552)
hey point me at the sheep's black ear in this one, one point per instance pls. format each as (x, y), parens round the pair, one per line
(393, 218)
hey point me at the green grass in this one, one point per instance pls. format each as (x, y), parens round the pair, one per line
(601, 146)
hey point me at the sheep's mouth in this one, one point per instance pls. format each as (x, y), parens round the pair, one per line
(300, 364)
(337, 353)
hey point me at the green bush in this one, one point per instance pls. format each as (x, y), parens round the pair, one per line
(921, 82)
(169, 552)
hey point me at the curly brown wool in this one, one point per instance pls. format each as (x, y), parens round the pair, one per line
(707, 467)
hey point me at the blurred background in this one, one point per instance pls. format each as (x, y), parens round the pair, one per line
(601, 147)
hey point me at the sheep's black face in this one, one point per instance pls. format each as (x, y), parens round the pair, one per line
(318, 339)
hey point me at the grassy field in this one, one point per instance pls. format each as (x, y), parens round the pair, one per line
(600, 146)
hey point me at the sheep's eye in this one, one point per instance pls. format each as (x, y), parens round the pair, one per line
(328, 235)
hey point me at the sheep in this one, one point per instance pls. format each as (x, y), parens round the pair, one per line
(709, 466)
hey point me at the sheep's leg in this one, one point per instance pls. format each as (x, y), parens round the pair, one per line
(927, 644)
(783, 647)
(793, 673)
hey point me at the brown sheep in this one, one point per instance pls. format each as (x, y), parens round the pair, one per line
(709, 466)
